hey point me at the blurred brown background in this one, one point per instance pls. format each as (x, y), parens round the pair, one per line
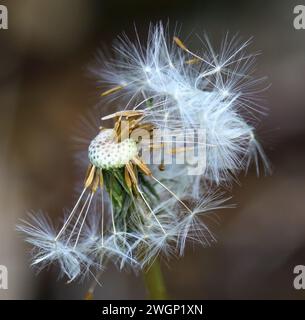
(44, 88)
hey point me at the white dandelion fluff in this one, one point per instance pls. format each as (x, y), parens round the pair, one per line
(46, 249)
(142, 197)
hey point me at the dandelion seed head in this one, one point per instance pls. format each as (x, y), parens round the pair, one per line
(106, 153)
(130, 211)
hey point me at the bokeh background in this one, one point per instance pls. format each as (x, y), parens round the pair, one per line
(44, 88)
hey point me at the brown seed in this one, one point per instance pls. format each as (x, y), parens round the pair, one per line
(127, 178)
(90, 176)
(125, 113)
(162, 167)
(142, 166)
(130, 170)
(192, 61)
(101, 179)
(180, 44)
(112, 90)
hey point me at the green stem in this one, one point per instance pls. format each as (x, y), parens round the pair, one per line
(154, 282)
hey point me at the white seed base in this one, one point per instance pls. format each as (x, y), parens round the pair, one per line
(105, 153)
